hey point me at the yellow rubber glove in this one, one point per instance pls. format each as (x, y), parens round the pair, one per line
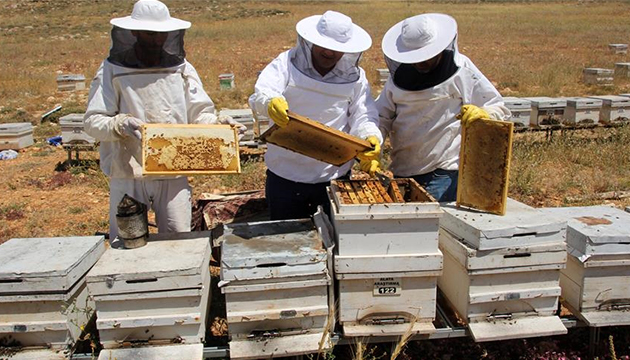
(277, 110)
(470, 113)
(370, 159)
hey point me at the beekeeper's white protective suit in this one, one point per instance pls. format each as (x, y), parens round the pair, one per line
(422, 124)
(340, 99)
(127, 92)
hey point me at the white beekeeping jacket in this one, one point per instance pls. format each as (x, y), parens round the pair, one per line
(422, 125)
(172, 95)
(345, 106)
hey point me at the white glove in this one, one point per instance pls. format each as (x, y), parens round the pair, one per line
(227, 119)
(206, 119)
(127, 125)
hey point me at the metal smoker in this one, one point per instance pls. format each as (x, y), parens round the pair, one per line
(132, 222)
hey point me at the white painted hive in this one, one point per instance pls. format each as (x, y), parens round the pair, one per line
(596, 282)
(284, 263)
(16, 136)
(522, 225)
(157, 292)
(521, 110)
(392, 229)
(582, 110)
(72, 130)
(546, 110)
(504, 293)
(243, 116)
(614, 109)
(43, 298)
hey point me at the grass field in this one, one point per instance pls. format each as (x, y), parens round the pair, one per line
(525, 48)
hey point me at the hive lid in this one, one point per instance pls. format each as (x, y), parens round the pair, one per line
(545, 101)
(612, 99)
(15, 128)
(595, 230)
(582, 102)
(167, 262)
(521, 225)
(52, 265)
(238, 114)
(530, 326)
(71, 119)
(271, 249)
(517, 103)
(179, 352)
(315, 140)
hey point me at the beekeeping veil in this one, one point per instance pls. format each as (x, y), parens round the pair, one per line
(152, 16)
(417, 39)
(334, 31)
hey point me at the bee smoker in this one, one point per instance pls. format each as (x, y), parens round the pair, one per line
(132, 222)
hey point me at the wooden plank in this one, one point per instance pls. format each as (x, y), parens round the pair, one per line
(525, 327)
(395, 192)
(189, 149)
(358, 190)
(282, 346)
(418, 327)
(368, 192)
(348, 192)
(484, 167)
(315, 140)
(381, 189)
(376, 194)
(178, 351)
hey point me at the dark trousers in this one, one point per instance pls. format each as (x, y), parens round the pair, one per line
(294, 200)
(441, 184)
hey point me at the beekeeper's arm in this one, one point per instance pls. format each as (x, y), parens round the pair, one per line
(268, 98)
(486, 102)
(102, 120)
(199, 107)
(386, 109)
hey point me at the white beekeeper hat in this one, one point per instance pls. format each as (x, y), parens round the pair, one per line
(334, 31)
(419, 38)
(150, 15)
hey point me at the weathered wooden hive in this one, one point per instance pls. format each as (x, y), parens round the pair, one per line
(70, 82)
(278, 288)
(155, 294)
(598, 76)
(622, 70)
(615, 109)
(387, 260)
(521, 110)
(595, 283)
(546, 110)
(501, 273)
(43, 297)
(72, 130)
(618, 48)
(16, 136)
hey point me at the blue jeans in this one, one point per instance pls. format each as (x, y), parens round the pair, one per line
(441, 184)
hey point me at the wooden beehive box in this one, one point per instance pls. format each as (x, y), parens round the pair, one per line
(70, 82)
(243, 116)
(43, 298)
(507, 293)
(546, 110)
(521, 110)
(522, 225)
(174, 149)
(72, 130)
(408, 226)
(158, 292)
(284, 263)
(596, 281)
(582, 110)
(315, 140)
(598, 76)
(622, 70)
(484, 165)
(16, 136)
(615, 109)
(173, 351)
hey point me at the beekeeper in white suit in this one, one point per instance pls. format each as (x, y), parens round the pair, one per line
(319, 78)
(146, 79)
(431, 87)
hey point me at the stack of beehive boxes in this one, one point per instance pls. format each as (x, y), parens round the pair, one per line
(16, 136)
(70, 82)
(622, 70)
(387, 261)
(43, 297)
(155, 294)
(598, 76)
(383, 75)
(72, 130)
(596, 282)
(618, 48)
(276, 279)
(501, 273)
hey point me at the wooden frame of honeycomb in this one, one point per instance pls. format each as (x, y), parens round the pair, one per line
(373, 192)
(189, 149)
(484, 165)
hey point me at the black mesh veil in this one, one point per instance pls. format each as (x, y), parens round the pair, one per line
(124, 50)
